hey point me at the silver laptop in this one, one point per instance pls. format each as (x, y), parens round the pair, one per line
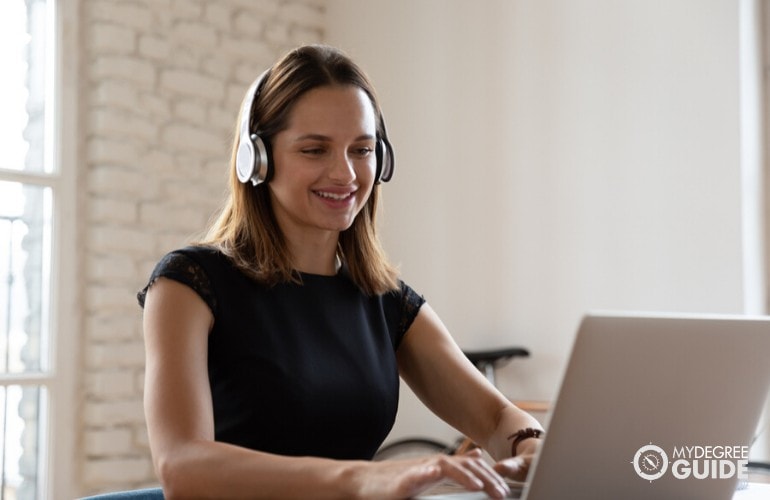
(655, 406)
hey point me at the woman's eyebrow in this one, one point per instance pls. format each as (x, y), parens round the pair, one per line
(313, 137)
(325, 138)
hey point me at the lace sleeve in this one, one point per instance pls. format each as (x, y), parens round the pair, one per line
(411, 302)
(181, 268)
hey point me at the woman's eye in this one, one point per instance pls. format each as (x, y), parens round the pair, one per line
(364, 151)
(313, 151)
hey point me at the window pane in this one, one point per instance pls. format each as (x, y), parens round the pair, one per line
(25, 235)
(21, 431)
(25, 51)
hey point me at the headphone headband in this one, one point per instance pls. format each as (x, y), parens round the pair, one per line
(248, 103)
(251, 158)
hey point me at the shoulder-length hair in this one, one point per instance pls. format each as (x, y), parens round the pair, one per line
(246, 230)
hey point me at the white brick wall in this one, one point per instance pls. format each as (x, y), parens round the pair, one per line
(162, 81)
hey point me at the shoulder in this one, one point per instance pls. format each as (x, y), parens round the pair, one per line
(197, 253)
(192, 266)
(195, 263)
(402, 306)
(405, 296)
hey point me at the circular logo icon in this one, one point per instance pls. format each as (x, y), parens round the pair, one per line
(650, 462)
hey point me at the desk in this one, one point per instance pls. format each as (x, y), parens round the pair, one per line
(754, 491)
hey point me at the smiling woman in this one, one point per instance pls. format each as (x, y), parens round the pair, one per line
(308, 109)
(274, 347)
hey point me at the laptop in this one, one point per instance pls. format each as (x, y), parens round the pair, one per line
(655, 406)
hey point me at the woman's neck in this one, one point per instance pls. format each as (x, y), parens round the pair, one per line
(316, 255)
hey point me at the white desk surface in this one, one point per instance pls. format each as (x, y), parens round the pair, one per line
(755, 491)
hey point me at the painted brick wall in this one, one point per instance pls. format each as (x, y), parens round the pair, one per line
(162, 83)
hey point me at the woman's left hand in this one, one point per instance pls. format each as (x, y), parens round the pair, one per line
(517, 467)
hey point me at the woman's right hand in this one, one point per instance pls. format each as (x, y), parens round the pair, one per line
(392, 479)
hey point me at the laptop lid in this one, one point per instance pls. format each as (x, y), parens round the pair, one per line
(649, 404)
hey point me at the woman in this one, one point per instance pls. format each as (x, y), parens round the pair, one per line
(274, 347)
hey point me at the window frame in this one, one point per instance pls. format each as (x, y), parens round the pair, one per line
(58, 436)
(66, 284)
(762, 25)
(754, 46)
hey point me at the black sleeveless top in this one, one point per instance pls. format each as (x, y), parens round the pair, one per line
(297, 369)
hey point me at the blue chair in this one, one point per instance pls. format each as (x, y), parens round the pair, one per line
(145, 494)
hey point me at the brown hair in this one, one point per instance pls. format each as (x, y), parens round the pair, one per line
(246, 229)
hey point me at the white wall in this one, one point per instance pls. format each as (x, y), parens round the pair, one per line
(555, 156)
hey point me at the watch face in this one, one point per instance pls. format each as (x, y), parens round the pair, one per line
(650, 462)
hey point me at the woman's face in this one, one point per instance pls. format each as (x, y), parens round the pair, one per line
(324, 161)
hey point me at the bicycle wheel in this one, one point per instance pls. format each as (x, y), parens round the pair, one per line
(411, 448)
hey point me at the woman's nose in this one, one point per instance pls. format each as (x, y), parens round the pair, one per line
(342, 169)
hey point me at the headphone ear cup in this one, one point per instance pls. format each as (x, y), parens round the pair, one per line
(266, 164)
(244, 160)
(252, 160)
(378, 154)
(385, 161)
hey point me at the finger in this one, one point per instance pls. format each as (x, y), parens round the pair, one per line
(473, 452)
(418, 479)
(475, 475)
(452, 468)
(494, 484)
(485, 470)
(514, 468)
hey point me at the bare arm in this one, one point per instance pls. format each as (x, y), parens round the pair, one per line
(188, 461)
(179, 413)
(448, 383)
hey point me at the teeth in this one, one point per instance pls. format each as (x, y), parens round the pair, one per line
(332, 196)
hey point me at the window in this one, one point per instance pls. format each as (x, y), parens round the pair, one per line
(755, 169)
(30, 182)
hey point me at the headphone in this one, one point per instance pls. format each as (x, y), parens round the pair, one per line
(253, 162)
